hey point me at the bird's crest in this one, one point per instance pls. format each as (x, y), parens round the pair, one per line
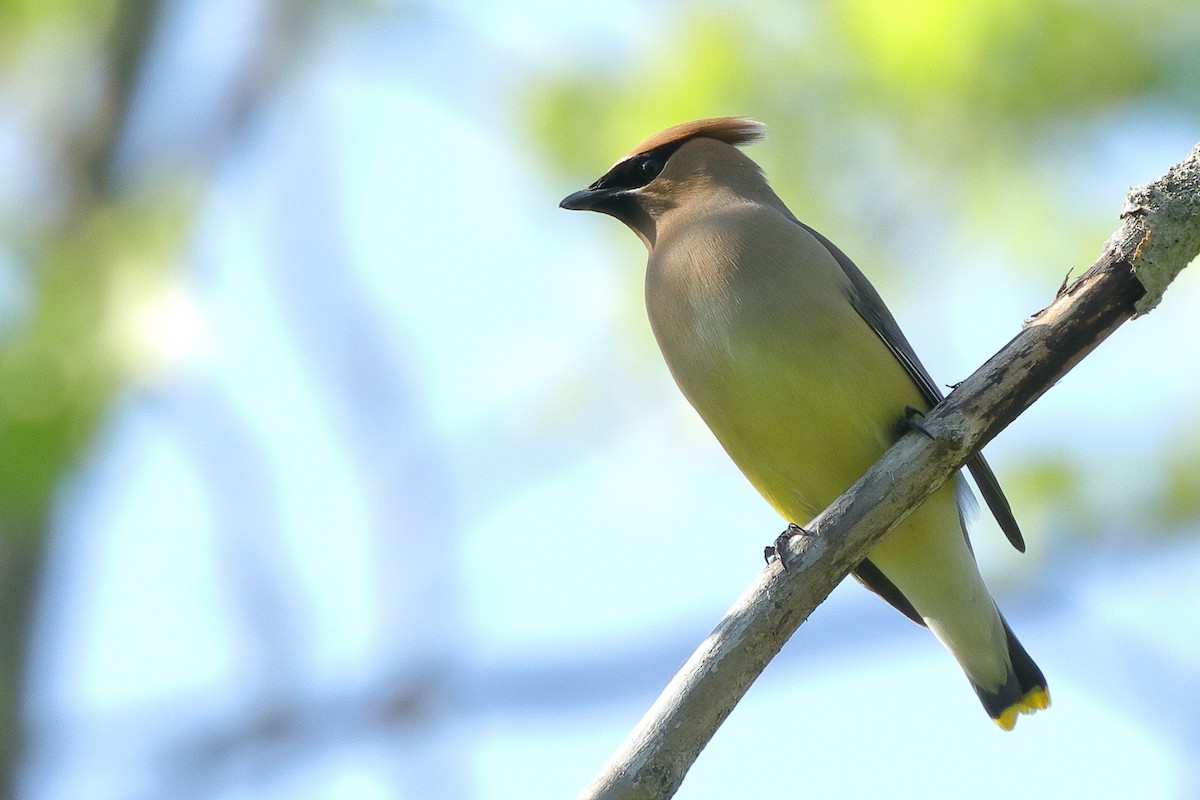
(731, 130)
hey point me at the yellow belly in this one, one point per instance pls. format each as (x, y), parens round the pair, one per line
(762, 338)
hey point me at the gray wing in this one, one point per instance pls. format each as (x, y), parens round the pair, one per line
(871, 577)
(870, 307)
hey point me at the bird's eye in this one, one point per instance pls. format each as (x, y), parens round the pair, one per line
(649, 167)
(632, 173)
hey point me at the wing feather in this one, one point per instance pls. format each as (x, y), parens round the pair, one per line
(871, 308)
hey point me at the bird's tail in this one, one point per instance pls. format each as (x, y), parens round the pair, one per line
(1024, 693)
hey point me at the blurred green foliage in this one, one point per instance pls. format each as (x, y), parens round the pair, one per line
(58, 366)
(926, 108)
(21, 20)
(997, 66)
(74, 249)
(61, 366)
(1180, 503)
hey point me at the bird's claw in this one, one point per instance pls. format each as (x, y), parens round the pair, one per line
(779, 549)
(912, 422)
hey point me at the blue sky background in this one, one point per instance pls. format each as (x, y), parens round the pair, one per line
(404, 504)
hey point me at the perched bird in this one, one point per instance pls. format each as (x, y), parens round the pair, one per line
(792, 359)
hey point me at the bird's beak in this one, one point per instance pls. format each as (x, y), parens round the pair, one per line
(584, 199)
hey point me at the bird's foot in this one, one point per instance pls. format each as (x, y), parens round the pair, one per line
(912, 421)
(779, 549)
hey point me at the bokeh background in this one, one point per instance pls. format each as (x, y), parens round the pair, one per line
(337, 462)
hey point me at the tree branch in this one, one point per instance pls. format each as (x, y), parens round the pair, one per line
(1159, 235)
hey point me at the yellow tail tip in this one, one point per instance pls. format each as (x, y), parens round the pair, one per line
(1035, 699)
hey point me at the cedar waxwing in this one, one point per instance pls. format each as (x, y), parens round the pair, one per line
(789, 354)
